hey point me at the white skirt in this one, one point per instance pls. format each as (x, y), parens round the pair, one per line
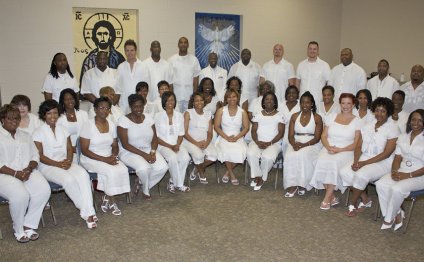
(231, 152)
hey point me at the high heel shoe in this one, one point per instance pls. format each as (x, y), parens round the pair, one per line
(105, 204)
(288, 194)
(387, 226)
(402, 216)
(91, 225)
(202, 180)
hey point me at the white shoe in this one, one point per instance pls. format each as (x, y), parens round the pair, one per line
(193, 174)
(253, 183)
(402, 216)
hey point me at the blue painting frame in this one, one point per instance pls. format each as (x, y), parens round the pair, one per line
(219, 33)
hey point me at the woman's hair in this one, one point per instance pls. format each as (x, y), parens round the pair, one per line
(101, 99)
(135, 98)
(21, 99)
(408, 124)
(328, 87)
(46, 106)
(384, 102)
(236, 79)
(200, 87)
(53, 69)
(289, 88)
(274, 97)
(141, 85)
(347, 95)
(163, 82)
(266, 83)
(7, 108)
(106, 90)
(401, 93)
(228, 93)
(311, 97)
(367, 93)
(165, 97)
(191, 102)
(62, 99)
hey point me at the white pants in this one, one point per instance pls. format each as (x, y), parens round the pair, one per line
(177, 163)
(113, 180)
(266, 156)
(149, 174)
(26, 199)
(76, 183)
(198, 155)
(392, 193)
(369, 173)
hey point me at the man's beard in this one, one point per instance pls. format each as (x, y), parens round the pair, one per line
(103, 45)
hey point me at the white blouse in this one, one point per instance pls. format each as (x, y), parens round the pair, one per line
(139, 135)
(198, 126)
(374, 142)
(56, 85)
(54, 144)
(100, 143)
(165, 131)
(16, 153)
(114, 115)
(74, 128)
(412, 154)
(34, 123)
(267, 125)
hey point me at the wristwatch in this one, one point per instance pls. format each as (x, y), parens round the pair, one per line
(153, 151)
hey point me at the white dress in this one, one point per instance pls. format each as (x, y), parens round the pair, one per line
(34, 123)
(198, 129)
(402, 120)
(373, 143)
(26, 199)
(267, 130)
(334, 109)
(287, 116)
(112, 179)
(75, 180)
(369, 117)
(392, 193)
(212, 105)
(74, 128)
(234, 152)
(328, 165)
(140, 136)
(299, 165)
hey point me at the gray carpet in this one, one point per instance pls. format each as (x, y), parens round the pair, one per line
(217, 223)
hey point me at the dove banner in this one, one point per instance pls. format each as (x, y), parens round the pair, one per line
(218, 33)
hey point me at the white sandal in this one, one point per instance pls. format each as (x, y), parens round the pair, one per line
(31, 234)
(115, 210)
(105, 205)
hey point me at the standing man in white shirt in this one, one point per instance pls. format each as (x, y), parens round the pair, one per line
(414, 90)
(216, 73)
(248, 72)
(347, 77)
(159, 69)
(130, 73)
(99, 76)
(313, 73)
(185, 72)
(279, 71)
(382, 85)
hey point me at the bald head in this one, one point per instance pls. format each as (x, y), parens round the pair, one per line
(155, 49)
(278, 51)
(245, 56)
(346, 56)
(417, 74)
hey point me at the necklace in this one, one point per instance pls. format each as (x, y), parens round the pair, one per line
(71, 115)
(268, 113)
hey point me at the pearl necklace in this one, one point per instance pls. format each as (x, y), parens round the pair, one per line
(268, 113)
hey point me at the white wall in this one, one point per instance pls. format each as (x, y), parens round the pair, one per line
(389, 29)
(33, 31)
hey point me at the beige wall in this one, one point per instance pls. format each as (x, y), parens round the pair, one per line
(390, 29)
(33, 31)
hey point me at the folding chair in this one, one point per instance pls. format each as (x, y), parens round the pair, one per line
(277, 161)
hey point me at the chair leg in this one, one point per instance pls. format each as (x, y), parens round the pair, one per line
(94, 196)
(216, 170)
(408, 217)
(377, 210)
(1, 235)
(316, 191)
(43, 223)
(53, 215)
(129, 200)
(276, 177)
(246, 171)
(347, 196)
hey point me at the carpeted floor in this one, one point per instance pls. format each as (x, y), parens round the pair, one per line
(217, 223)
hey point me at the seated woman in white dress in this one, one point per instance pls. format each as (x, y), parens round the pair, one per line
(267, 132)
(339, 138)
(373, 155)
(170, 131)
(72, 118)
(407, 172)
(400, 116)
(207, 89)
(363, 106)
(255, 106)
(20, 183)
(59, 77)
(138, 145)
(115, 111)
(231, 124)
(55, 149)
(288, 108)
(99, 148)
(236, 84)
(305, 143)
(29, 121)
(198, 136)
(142, 89)
(327, 106)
